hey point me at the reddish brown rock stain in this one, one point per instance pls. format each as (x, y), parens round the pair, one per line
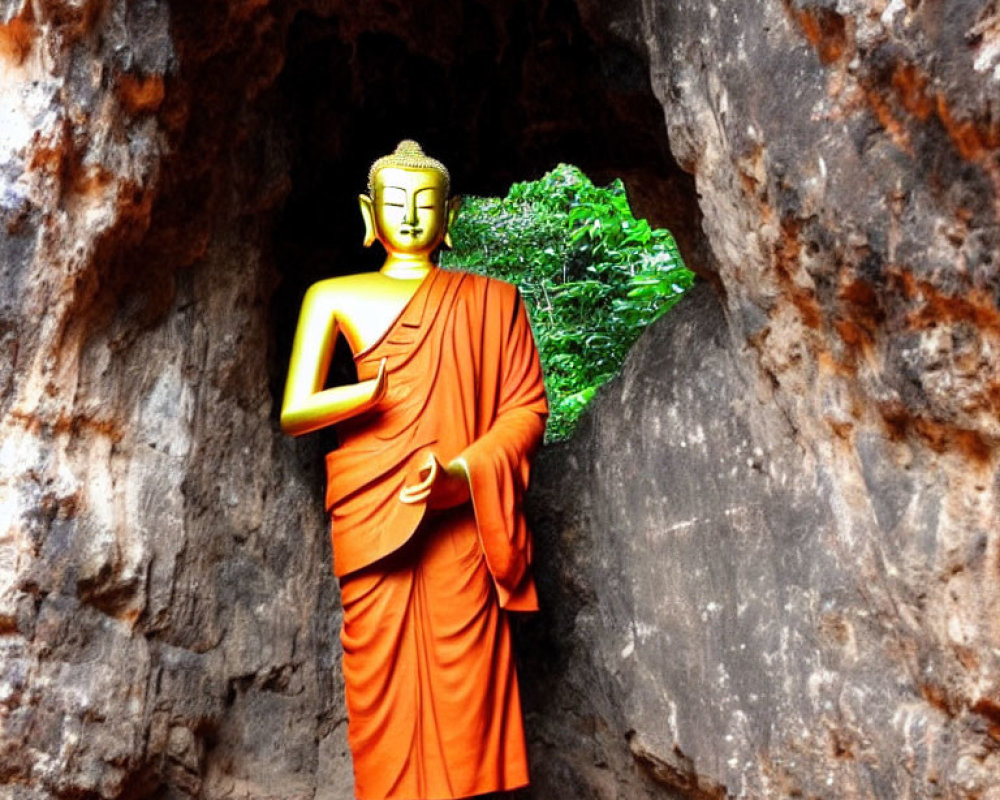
(938, 436)
(829, 33)
(974, 141)
(74, 19)
(835, 627)
(853, 335)
(987, 707)
(139, 93)
(841, 746)
(786, 263)
(993, 394)
(859, 317)
(72, 424)
(17, 36)
(966, 656)
(91, 181)
(830, 365)
(842, 430)
(938, 697)
(935, 307)
(750, 184)
(50, 159)
(883, 112)
(831, 36)
(910, 85)
(678, 774)
(990, 709)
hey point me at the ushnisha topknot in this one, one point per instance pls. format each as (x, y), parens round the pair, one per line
(408, 155)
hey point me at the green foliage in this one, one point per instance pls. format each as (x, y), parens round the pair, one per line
(593, 276)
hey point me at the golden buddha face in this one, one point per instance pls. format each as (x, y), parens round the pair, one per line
(410, 209)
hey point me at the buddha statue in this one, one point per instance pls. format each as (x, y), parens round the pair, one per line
(424, 491)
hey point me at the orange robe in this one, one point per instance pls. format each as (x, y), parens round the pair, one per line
(432, 697)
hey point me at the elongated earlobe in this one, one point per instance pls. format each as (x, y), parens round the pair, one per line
(368, 215)
(453, 206)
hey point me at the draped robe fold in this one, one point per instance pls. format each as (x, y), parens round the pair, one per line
(432, 697)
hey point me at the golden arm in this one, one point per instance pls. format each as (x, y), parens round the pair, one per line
(307, 406)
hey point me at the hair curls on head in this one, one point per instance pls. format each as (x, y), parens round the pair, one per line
(408, 155)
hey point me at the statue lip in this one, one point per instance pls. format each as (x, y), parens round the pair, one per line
(411, 231)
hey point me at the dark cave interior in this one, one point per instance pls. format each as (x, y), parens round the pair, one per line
(274, 120)
(498, 96)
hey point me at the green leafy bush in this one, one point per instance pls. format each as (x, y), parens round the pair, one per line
(593, 276)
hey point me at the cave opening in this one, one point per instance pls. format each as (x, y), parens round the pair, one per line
(499, 95)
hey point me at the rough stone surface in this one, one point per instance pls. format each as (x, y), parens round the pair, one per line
(790, 510)
(167, 617)
(771, 560)
(703, 605)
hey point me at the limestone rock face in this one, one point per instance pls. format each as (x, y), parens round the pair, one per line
(701, 602)
(770, 562)
(155, 630)
(788, 506)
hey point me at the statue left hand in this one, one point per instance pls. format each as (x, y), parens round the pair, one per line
(441, 487)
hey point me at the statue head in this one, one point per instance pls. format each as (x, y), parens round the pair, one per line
(407, 208)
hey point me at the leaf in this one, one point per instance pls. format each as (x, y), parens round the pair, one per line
(592, 275)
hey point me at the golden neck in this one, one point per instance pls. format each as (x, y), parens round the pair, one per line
(406, 267)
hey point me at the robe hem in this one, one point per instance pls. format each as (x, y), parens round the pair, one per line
(512, 787)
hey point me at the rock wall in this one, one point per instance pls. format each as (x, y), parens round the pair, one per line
(788, 506)
(168, 622)
(769, 562)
